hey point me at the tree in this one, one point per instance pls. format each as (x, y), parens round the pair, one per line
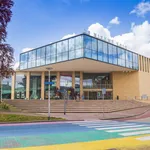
(6, 51)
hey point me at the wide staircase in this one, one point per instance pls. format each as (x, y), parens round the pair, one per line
(92, 106)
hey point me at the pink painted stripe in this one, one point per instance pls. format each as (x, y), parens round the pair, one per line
(35, 123)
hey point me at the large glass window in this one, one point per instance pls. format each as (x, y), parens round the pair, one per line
(77, 82)
(23, 61)
(51, 54)
(62, 51)
(135, 61)
(105, 51)
(20, 86)
(121, 57)
(35, 86)
(87, 42)
(96, 80)
(32, 59)
(100, 50)
(112, 54)
(78, 42)
(76, 47)
(52, 87)
(6, 88)
(40, 56)
(129, 59)
(65, 79)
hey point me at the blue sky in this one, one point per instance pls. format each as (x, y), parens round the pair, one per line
(39, 22)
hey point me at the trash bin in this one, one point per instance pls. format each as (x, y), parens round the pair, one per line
(117, 97)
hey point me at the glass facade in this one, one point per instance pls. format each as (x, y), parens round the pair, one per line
(6, 88)
(96, 80)
(60, 51)
(35, 86)
(52, 87)
(20, 86)
(78, 47)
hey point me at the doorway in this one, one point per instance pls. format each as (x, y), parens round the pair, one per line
(97, 95)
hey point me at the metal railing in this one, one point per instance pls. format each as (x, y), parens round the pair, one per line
(98, 86)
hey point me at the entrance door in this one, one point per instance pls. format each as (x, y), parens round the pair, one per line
(92, 95)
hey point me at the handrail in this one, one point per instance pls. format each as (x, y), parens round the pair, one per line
(98, 86)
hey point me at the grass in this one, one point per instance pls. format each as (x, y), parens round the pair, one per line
(4, 106)
(25, 118)
(8, 108)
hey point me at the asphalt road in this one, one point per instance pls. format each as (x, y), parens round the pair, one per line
(81, 135)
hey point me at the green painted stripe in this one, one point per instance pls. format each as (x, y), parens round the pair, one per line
(60, 138)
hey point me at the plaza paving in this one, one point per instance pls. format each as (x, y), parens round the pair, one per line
(81, 135)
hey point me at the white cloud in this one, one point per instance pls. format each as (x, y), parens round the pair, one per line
(141, 9)
(137, 39)
(68, 36)
(99, 29)
(115, 21)
(26, 49)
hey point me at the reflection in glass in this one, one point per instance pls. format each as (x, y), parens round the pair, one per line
(52, 87)
(78, 47)
(96, 80)
(66, 80)
(87, 42)
(20, 86)
(77, 82)
(6, 88)
(35, 86)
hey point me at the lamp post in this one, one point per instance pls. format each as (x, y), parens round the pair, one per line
(49, 69)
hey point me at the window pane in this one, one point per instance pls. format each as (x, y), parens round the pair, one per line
(79, 53)
(64, 46)
(71, 44)
(65, 56)
(94, 44)
(71, 54)
(53, 59)
(59, 57)
(78, 42)
(43, 52)
(105, 57)
(94, 55)
(59, 50)
(48, 50)
(47, 60)
(53, 49)
(87, 42)
(88, 53)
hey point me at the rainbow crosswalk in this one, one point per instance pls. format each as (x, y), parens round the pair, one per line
(74, 135)
(124, 129)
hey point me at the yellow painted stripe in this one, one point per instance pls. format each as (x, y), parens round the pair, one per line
(129, 142)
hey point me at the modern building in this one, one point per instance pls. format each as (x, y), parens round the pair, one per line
(84, 65)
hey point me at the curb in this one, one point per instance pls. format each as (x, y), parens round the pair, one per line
(126, 117)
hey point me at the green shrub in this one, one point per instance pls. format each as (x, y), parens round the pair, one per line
(4, 106)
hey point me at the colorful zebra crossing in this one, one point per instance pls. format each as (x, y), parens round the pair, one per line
(81, 135)
(122, 128)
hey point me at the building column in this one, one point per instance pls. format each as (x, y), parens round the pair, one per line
(81, 84)
(28, 85)
(58, 80)
(13, 86)
(42, 85)
(73, 79)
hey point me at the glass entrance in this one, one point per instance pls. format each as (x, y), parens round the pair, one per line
(97, 95)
